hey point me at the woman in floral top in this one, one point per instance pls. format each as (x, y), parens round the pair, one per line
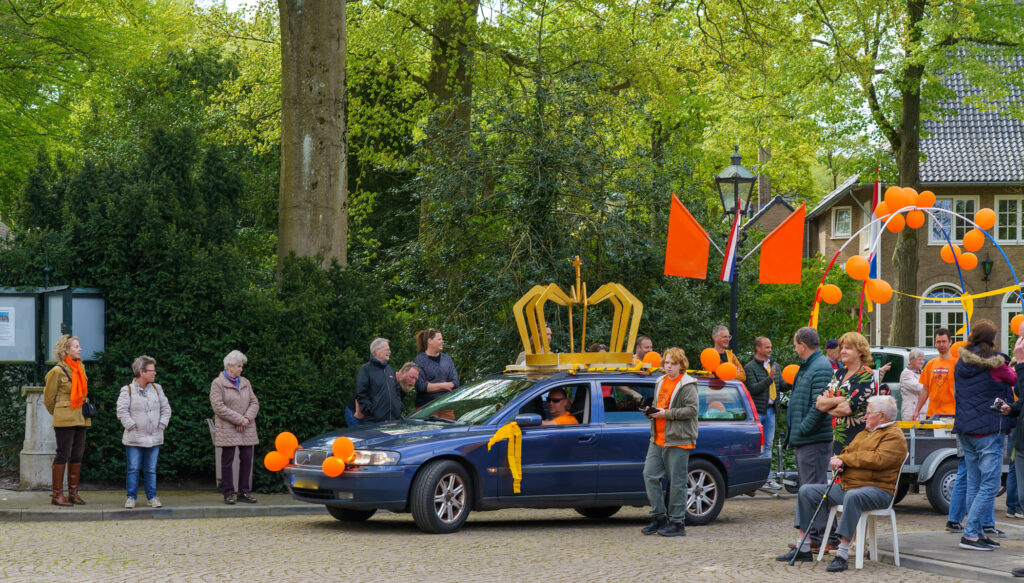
(846, 397)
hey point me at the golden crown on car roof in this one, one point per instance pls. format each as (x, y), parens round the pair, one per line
(529, 314)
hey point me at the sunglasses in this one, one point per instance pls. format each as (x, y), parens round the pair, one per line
(555, 399)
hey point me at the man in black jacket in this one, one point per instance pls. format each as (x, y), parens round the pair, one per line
(764, 380)
(377, 390)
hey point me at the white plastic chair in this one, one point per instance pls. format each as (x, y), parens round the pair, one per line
(867, 522)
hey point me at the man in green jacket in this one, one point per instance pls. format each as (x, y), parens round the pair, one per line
(810, 430)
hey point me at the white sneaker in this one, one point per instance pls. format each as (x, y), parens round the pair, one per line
(1014, 514)
(129, 503)
(155, 502)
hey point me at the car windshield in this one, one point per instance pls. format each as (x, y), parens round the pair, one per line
(473, 404)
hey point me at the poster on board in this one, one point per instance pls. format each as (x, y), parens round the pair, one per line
(6, 326)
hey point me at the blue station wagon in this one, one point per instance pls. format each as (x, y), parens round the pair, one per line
(436, 465)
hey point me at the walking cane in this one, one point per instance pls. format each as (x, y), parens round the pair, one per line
(807, 532)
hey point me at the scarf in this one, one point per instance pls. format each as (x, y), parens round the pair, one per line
(79, 386)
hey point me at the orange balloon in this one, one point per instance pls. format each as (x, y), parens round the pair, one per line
(710, 359)
(653, 358)
(955, 349)
(968, 261)
(896, 223)
(910, 193)
(915, 219)
(985, 218)
(857, 267)
(1015, 323)
(831, 294)
(789, 373)
(895, 199)
(274, 461)
(343, 447)
(948, 251)
(333, 467)
(882, 210)
(286, 444)
(726, 371)
(926, 199)
(879, 291)
(974, 240)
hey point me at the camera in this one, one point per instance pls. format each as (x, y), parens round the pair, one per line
(997, 405)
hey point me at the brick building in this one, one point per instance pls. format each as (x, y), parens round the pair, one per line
(974, 160)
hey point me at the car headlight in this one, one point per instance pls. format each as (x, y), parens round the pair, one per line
(370, 457)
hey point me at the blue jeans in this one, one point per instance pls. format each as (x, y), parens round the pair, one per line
(144, 458)
(984, 459)
(768, 422)
(958, 499)
(350, 418)
(1012, 503)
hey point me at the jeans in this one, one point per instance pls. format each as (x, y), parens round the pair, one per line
(1012, 499)
(672, 462)
(1019, 477)
(958, 499)
(984, 459)
(144, 458)
(350, 418)
(768, 422)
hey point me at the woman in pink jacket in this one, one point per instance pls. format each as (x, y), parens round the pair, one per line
(235, 407)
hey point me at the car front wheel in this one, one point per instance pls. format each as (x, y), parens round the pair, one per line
(598, 512)
(440, 499)
(705, 494)
(349, 514)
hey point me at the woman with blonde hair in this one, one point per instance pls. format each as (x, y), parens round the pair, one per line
(66, 391)
(846, 397)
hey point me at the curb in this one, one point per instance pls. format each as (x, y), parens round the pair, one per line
(78, 515)
(948, 569)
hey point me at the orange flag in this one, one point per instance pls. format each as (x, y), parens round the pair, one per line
(782, 250)
(687, 247)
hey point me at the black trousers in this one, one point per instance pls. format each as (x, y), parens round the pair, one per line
(70, 445)
(227, 458)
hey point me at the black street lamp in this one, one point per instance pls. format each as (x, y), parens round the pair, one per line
(735, 183)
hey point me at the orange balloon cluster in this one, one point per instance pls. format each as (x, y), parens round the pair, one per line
(344, 451)
(789, 373)
(712, 362)
(286, 444)
(831, 294)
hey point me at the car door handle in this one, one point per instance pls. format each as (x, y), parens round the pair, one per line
(588, 438)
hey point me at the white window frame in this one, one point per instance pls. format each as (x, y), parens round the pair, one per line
(930, 225)
(835, 234)
(944, 309)
(1010, 308)
(1019, 240)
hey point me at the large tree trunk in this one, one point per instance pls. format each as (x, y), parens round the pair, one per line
(902, 331)
(313, 201)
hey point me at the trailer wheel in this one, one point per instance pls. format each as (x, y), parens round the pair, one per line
(901, 492)
(940, 487)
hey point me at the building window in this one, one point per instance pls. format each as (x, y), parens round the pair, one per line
(1008, 223)
(842, 222)
(1011, 307)
(934, 314)
(954, 226)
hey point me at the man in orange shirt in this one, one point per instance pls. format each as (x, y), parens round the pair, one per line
(937, 378)
(558, 408)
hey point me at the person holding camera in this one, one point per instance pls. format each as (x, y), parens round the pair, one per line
(673, 434)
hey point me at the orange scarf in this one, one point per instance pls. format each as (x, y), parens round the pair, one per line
(79, 386)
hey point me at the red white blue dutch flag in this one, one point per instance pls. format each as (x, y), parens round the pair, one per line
(729, 262)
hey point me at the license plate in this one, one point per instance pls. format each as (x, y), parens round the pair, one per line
(304, 482)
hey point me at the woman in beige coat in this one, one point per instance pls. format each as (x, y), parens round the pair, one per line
(235, 407)
(66, 390)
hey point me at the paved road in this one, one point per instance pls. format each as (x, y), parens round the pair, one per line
(529, 545)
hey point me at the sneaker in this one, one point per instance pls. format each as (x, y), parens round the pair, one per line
(988, 541)
(657, 523)
(129, 503)
(244, 497)
(229, 498)
(974, 545)
(801, 556)
(991, 530)
(772, 485)
(1014, 514)
(673, 529)
(1018, 572)
(154, 502)
(954, 527)
(838, 564)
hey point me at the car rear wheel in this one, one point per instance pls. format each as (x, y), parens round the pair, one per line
(598, 512)
(440, 498)
(705, 494)
(350, 514)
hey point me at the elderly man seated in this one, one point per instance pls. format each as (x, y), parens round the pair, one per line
(870, 466)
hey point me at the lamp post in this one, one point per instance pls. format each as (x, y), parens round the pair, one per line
(735, 183)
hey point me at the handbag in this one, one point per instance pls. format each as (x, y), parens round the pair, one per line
(88, 409)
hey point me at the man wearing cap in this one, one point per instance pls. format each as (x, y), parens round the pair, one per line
(832, 352)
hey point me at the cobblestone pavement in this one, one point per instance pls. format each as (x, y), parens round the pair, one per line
(549, 545)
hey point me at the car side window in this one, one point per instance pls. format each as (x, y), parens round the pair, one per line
(723, 403)
(576, 404)
(622, 401)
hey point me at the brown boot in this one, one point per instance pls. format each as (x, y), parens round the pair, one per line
(74, 474)
(57, 498)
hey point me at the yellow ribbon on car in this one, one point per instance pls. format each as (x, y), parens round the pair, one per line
(514, 435)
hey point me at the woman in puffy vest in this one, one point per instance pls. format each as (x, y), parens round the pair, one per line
(143, 410)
